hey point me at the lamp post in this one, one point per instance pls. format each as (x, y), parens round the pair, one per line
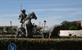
(11, 27)
(44, 28)
(44, 24)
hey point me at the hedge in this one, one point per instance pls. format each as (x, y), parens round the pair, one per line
(42, 44)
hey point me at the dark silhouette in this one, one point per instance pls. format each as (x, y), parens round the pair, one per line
(22, 16)
(55, 31)
(27, 25)
(27, 29)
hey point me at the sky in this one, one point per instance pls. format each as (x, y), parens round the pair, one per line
(53, 11)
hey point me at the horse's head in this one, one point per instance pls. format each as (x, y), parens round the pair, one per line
(30, 16)
(33, 15)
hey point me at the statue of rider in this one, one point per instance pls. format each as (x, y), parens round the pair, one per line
(22, 16)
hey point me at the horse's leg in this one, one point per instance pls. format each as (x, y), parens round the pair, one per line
(18, 33)
(26, 31)
(42, 34)
(29, 32)
(49, 35)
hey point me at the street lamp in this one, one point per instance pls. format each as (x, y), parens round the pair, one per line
(11, 27)
(44, 24)
(44, 28)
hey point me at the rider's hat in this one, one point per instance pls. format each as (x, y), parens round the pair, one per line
(23, 10)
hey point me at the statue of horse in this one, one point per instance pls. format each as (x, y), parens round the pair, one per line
(27, 26)
(51, 32)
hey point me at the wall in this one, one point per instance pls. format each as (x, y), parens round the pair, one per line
(72, 32)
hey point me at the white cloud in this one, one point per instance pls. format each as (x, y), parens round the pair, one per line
(55, 9)
(51, 19)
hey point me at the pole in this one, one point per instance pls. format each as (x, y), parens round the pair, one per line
(44, 28)
(11, 27)
(21, 7)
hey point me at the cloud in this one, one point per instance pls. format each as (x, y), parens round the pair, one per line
(55, 9)
(51, 18)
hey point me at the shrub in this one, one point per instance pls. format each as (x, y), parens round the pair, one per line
(42, 44)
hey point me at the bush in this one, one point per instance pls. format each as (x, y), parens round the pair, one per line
(42, 44)
(72, 28)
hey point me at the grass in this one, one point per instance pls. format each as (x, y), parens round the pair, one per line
(62, 43)
(44, 39)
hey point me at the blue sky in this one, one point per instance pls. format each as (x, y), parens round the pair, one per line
(53, 11)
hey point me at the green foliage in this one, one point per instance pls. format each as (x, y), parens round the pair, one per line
(70, 25)
(42, 44)
(1, 28)
(72, 28)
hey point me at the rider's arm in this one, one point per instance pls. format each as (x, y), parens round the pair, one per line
(19, 17)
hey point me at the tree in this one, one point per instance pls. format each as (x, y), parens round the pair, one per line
(70, 25)
(65, 25)
(72, 28)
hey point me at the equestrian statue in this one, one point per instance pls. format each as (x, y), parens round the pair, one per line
(26, 25)
(27, 28)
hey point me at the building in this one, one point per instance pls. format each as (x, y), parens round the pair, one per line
(72, 32)
(79, 22)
